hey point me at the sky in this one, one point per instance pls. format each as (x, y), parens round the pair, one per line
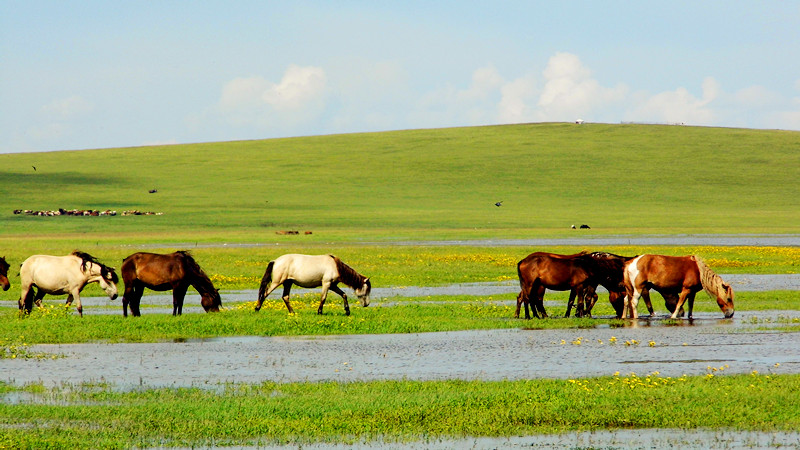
(100, 74)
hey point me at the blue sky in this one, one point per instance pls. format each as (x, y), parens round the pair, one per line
(97, 74)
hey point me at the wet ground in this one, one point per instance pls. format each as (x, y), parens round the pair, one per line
(752, 341)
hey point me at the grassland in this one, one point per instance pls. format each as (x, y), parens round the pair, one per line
(358, 194)
(443, 183)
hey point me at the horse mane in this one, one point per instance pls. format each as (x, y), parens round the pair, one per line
(712, 283)
(191, 266)
(348, 275)
(3, 264)
(89, 259)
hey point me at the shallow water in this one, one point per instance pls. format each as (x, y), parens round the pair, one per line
(689, 347)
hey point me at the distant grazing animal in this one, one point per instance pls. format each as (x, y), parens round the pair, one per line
(671, 275)
(59, 275)
(586, 227)
(310, 271)
(175, 271)
(153, 191)
(4, 274)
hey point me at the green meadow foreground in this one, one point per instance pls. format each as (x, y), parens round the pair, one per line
(359, 195)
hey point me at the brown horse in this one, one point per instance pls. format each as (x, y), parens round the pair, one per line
(684, 275)
(175, 271)
(4, 274)
(608, 268)
(541, 270)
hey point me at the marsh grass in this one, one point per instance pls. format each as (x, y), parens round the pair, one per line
(240, 268)
(96, 416)
(55, 324)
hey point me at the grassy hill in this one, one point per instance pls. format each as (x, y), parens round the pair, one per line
(440, 183)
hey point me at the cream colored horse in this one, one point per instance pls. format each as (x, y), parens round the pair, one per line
(59, 275)
(310, 271)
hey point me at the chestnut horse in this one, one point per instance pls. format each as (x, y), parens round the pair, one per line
(541, 270)
(684, 275)
(311, 271)
(175, 271)
(59, 275)
(4, 274)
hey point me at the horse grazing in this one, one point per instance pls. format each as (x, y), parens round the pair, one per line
(59, 275)
(608, 269)
(541, 270)
(311, 271)
(671, 275)
(4, 274)
(175, 271)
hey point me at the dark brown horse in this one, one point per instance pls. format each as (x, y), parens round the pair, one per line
(608, 269)
(542, 270)
(671, 275)
(4, 274)
(175, 271)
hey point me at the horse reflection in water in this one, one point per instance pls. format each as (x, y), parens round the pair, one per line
(59, 275)
(4, 274)
(175, 271)
(310, 271)
(671, 275)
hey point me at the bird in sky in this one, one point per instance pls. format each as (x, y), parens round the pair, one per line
(500, 203)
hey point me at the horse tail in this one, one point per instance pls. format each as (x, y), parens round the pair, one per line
(265, 280)
(712, 283)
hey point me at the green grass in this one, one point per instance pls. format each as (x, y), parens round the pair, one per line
(441, 183)
(239, 268)
(53, 324)
(96, 416)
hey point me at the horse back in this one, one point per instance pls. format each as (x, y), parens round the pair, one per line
(153, 269)
(51, 272)
(552, 269)
(669, 272)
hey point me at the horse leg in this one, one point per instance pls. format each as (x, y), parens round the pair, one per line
(325, 287)
(26, 298)
(646, 297)
(690, 299)
(287, 286)
(178, 294)
(591, 299)
(335, 288)
(573, 293)
(136, 300)
(539, 304)
(274, 285)
(678, 306)
(75, 296)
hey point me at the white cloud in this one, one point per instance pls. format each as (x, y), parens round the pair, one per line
(299, 97)
(570, 91)
(67, 108)
(680, 106)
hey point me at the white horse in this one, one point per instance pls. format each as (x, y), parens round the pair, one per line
(310, 271)
(59, 275)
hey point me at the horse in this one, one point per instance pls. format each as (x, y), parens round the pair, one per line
(609, 269)
(4, 273)
(684, 275)
(541, 270)
(311, 271)
(174, 271)
(59, 275)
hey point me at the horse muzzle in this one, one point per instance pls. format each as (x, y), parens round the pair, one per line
(728, 314)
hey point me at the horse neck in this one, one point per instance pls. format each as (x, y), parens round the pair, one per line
(349, 276)
(711, 282)
(202, 283)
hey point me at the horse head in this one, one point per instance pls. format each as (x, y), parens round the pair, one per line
(363, 292)
(4, 274)
(210, 300)
(108, 281)
(726, 303)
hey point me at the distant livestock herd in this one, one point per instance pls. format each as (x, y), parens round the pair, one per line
(83, 212)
